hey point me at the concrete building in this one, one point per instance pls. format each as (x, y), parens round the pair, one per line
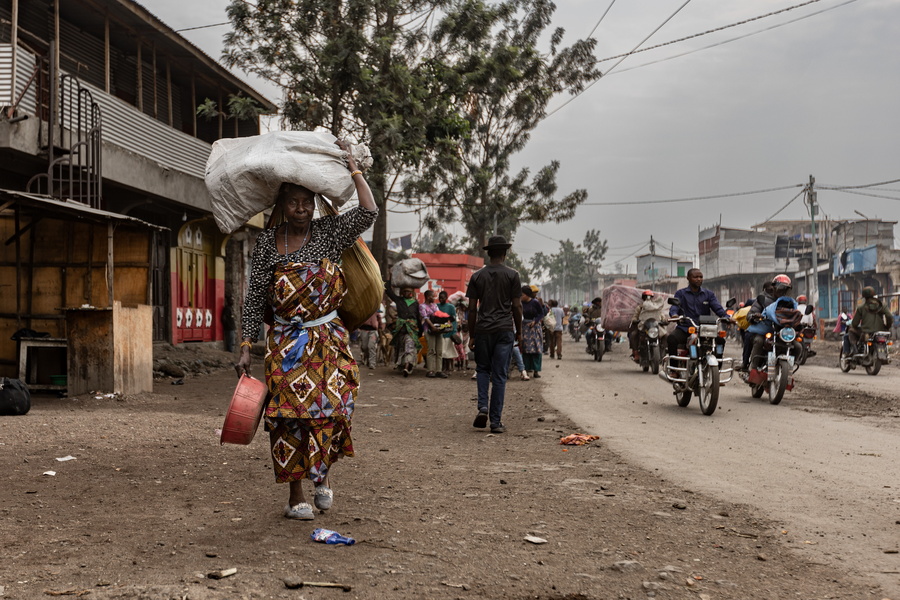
(102, 159)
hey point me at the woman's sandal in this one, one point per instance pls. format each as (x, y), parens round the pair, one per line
(323, 497)
(302, 511)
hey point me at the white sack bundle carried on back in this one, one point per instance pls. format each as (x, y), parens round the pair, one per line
(243, 175)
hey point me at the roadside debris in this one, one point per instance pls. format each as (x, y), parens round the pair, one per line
(222, 574)
(578, 439)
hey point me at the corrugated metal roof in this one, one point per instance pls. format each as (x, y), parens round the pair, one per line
(76, 209)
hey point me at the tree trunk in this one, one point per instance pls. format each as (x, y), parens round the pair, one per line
(380, 229)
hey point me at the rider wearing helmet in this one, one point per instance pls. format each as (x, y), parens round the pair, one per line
(650, 307)
(808, 320)
(871, 315)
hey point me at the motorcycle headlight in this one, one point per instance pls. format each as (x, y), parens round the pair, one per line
(653, 333)
(709, 330)
(787, 334)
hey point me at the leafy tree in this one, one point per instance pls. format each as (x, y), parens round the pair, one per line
(502, 88)
(566, 274)
(594, 253)
(359, 68)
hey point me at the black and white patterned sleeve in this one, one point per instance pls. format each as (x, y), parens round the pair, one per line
(348, 226)
(254, 303)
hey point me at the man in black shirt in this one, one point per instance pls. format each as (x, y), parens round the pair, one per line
(495, 324)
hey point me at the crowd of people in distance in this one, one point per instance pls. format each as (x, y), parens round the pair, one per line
(430, 331)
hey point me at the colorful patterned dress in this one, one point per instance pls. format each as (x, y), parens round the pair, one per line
(310, 371)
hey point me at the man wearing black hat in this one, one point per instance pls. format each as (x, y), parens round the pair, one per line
(495, 324)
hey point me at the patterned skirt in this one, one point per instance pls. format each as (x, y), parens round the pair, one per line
(532, 338)
(310, 371)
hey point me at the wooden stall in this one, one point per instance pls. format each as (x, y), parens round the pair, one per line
(57, 255)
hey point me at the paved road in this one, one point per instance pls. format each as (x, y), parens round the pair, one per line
(832, 482)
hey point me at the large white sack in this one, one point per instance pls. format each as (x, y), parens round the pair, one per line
(243, 175)
(409, 272)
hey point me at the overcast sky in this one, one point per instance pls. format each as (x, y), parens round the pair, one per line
(819, 96)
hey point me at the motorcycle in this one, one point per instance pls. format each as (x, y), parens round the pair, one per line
(699, 369)
(806, 337)
(575, 328)
(871, 352)
(649, 334)
(782, 352)
(596, 339)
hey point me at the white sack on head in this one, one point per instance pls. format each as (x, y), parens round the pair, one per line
(243, 175)
(409, 272)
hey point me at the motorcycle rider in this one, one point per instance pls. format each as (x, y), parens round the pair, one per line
(756, 308)
(696, 301)
(871, 315)
(590, 313)
(575, 323)
(649, 308)
(762, 320)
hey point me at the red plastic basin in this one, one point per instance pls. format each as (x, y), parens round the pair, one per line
(244, 412)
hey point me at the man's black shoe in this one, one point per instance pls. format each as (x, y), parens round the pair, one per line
(481, 420)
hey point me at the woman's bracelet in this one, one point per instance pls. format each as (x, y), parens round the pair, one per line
(247, 344)
(355, 173)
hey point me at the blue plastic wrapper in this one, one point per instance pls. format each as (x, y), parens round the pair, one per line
(327, 536)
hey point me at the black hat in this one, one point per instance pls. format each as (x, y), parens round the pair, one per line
(497, 241)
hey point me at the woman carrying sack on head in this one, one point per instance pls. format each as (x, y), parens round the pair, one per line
(310, 371)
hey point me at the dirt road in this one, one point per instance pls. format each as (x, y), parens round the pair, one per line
(831, 481)
(145, 504)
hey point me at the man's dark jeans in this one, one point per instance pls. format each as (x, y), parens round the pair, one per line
(492, 352)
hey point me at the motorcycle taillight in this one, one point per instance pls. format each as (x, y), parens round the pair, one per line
(682, 352)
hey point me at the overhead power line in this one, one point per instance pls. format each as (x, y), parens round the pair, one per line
(603, 16)
(626, 202)
(641, 43)
(708, 31)
(203, 26)
(854, 187)
(800, 193)
(722, 43)
(734, 39)
(846, 191)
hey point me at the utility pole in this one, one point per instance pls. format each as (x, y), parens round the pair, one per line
(812, 282)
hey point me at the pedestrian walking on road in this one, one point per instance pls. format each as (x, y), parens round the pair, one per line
(434, 335)
(369, 332)
(556, 335)
(495, 323)
(407, 326)
(532, 345)
(311, 376)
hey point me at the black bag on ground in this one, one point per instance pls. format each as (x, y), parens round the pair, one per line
(15, 399)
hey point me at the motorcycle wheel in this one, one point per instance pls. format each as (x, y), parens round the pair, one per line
(654, 360)
(708, 393)
(778, 384)
(757, 390)
(801, 360)
(874, 367)
(598, 353)
(844, 365)
(683, 397)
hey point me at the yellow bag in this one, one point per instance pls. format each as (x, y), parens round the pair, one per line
(740, 317)
(362, 276)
